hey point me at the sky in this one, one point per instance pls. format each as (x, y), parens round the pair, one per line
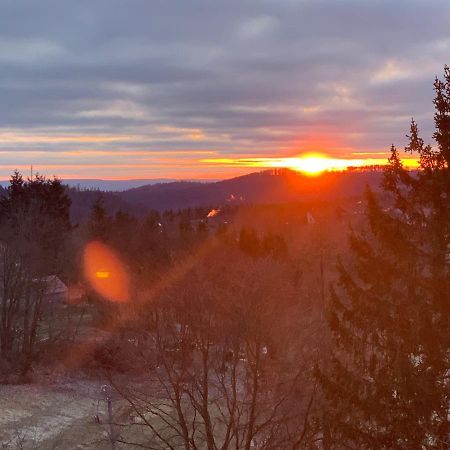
(211, 89)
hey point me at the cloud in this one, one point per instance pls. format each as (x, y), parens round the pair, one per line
(25, 51)
(256, 27)
(122, 109)
(261, 77)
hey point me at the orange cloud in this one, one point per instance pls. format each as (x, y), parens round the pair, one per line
(25, 138)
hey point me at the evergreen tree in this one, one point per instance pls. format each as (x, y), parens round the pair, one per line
(274, 245)
(153, 220)
(35, 216)
(99, 223)
(249, 241)
(202, 228)
(386, 383)
(34, 229)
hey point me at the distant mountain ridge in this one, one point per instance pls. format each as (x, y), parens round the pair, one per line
(270, 186)
(110, 185)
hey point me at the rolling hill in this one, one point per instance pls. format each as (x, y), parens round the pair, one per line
(271, 186)
(266, 187)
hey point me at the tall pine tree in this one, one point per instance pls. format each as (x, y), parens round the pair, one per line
(387, 383)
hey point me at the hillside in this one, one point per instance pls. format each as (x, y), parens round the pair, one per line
(83, 200)
(272, 186)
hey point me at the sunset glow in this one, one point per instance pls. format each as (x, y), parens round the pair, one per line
(152, 101)
(186, 164)
(315, 164)
(309, 164)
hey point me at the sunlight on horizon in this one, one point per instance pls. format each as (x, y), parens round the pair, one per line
(311, 164)
(314, 164)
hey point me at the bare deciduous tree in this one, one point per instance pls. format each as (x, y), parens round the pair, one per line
(220, 372)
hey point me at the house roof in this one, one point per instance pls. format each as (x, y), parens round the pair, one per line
(53, 285)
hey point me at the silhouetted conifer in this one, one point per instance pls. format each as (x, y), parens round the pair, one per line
(386, 383)
(99, 223)
(35, 213)
(249, 241)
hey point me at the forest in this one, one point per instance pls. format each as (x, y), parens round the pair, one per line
(313, 324)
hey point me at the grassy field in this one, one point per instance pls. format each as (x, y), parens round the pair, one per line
(57, 416)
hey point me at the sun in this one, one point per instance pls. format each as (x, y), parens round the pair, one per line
(311, 164)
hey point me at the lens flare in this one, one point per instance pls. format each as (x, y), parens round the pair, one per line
(105, 272)
(102, 274)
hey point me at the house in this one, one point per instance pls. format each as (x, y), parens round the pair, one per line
(55, 291)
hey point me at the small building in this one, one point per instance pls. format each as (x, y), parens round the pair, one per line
(55, 291)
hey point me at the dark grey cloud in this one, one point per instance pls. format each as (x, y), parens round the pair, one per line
(232, 77)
